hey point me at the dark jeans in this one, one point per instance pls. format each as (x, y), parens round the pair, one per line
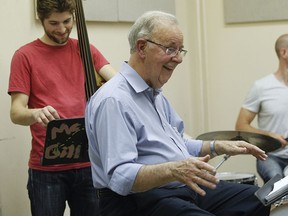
(271, 166)
(49, 191)
(228, 199)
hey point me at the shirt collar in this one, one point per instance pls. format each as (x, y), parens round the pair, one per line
(135, 80)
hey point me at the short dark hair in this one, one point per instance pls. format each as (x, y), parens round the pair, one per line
(46, 7)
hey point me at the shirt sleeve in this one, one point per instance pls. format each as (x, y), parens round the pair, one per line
(117, 145)
(19, 80)
(252, 102)
(98, 58)
(194, 146)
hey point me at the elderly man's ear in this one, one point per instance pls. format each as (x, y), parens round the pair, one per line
(140, 47)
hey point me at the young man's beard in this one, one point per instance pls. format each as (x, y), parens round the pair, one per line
(56, 40)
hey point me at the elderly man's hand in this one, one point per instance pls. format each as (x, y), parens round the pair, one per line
(194, 172)
(239, 147)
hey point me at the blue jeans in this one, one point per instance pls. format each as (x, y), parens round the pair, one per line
(49, 191)
(271, 166)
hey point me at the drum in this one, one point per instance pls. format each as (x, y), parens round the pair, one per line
(280, 208)
(238, 177)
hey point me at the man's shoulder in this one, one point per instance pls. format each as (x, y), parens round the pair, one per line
(28, 45)
(75, 42)
(115, 87)
(264, 81)
(265, 78)
(117, 91)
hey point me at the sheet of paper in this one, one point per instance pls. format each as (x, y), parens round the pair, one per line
(279, 184)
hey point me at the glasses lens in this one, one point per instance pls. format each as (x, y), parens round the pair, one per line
(171, 51)
(174, 52)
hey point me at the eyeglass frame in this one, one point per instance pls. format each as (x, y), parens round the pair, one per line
(173, 52)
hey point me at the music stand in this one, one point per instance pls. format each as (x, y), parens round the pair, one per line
(66, 142)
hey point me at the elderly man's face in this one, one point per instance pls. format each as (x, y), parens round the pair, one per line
(159, 64)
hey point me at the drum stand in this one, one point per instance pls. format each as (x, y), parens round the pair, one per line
(280, 202)
(222, 161)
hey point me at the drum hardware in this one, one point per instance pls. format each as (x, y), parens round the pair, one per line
(280, 208)
(222, 161)
(280, 202)
(266, 143)
(238, 177)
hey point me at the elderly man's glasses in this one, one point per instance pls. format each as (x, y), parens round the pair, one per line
(170, 50)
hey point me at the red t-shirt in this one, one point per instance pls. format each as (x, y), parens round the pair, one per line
(51, 75)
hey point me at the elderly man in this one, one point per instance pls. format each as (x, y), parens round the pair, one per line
(141, 164)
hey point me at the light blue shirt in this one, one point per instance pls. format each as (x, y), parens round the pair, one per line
(129, 125)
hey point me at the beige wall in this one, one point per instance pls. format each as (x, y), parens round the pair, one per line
(207, 89)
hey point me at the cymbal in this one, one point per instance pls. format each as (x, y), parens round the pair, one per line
(266, 143)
